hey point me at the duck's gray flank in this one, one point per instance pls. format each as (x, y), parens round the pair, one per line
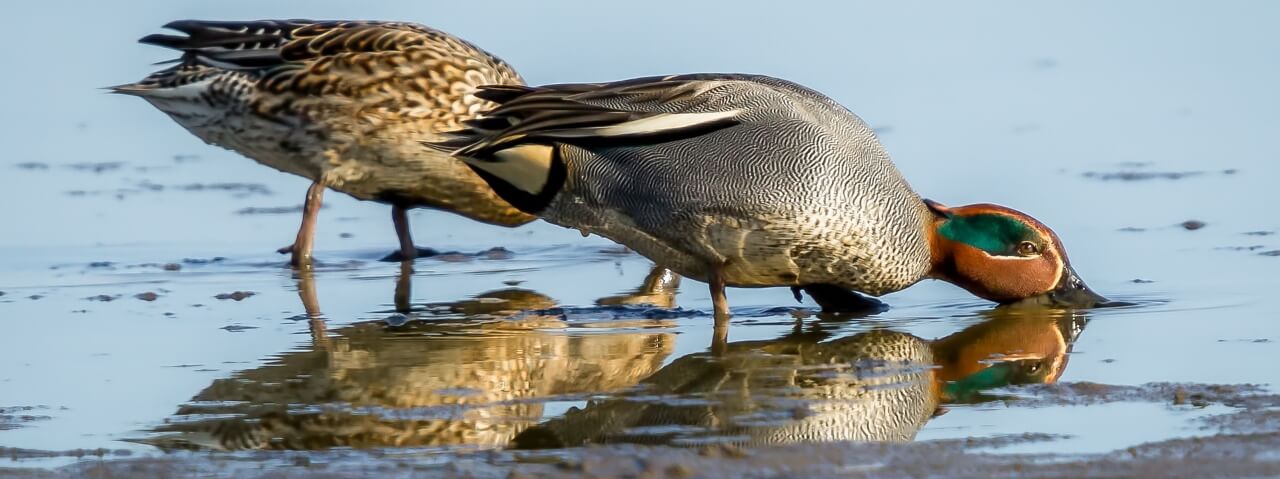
(790, 189)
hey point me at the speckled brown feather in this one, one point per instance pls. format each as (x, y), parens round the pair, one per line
(366, 388)
(344, 103)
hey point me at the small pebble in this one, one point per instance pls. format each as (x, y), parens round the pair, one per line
(1274, 252)
(1192, 225)
(147, 296)
(102, 297)
(171, 267)
(346, 235)
(237, 296)
(1142, 281)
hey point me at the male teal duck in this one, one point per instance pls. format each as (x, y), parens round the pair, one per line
(332, 102)
(749, 181)
(879, 385)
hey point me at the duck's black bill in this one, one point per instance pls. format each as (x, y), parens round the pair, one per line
(1073, 293)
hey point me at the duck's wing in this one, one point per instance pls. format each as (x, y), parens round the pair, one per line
(644, 110)
(515, 146)
(346, 58)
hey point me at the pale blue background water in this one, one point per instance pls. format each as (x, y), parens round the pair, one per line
(1005, 102)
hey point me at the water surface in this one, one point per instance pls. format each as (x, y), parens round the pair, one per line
(1113, 123)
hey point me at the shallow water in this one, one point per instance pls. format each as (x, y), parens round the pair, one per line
(1114, 124)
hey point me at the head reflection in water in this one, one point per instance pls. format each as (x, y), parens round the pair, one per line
(473, 375)
(880, 385)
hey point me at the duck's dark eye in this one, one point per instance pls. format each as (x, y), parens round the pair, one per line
(1027, 248)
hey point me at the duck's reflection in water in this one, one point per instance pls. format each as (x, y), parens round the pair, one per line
(880, 385)
(476, 378)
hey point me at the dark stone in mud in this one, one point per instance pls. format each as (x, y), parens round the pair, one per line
(1132, 229)
(35, 297)
(1, 293)
(237, 295)
(101, 264)
(1141, 281)
(1192, 225)
(1274, 252)
(1259, 233)
(171, 267)
(147, 296)
(32, 165)
(1182, 397)
(235, 328)
(346, 235)
(103, 297)
(513, 282)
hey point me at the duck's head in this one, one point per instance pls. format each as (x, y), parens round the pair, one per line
(1005, 256)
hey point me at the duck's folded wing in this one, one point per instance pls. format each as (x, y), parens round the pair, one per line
(642, 111)
(515, 147)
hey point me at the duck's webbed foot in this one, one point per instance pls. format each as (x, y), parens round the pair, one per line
(834, 299)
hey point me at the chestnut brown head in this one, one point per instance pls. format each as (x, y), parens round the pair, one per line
(1005, 256)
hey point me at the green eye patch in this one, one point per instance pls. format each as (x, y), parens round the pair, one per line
(995, 234)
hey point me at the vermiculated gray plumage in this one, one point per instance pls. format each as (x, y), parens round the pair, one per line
(873, 386)
(783, 187)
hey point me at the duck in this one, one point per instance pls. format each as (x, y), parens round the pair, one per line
(331, 101)
(474, 374)
(745, 180)
(878, 385)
